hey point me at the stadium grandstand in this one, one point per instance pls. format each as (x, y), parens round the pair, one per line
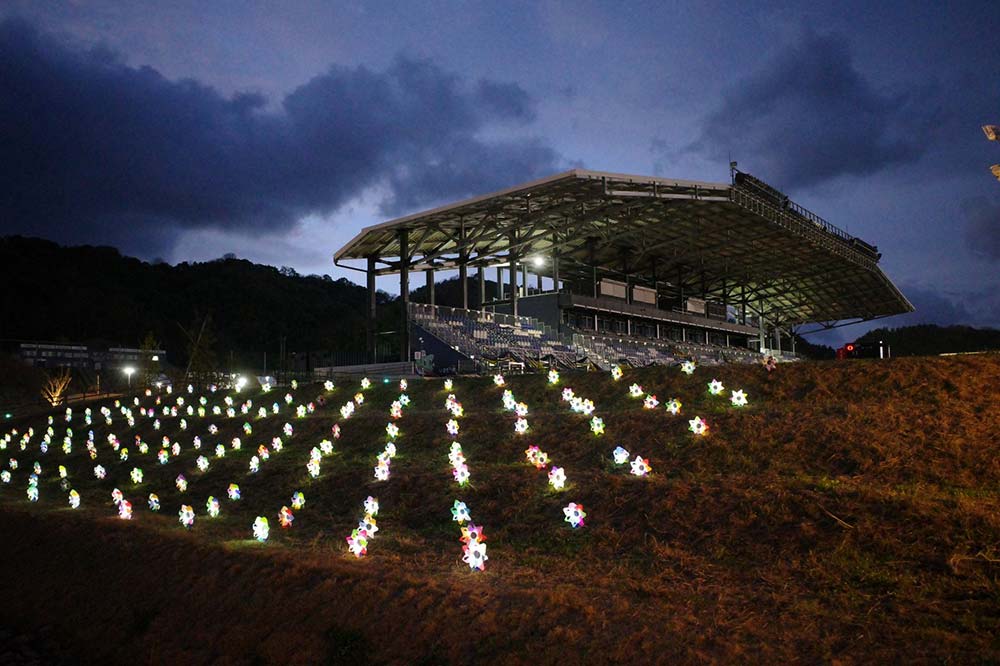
(601, 268)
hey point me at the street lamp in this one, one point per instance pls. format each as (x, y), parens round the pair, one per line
(128, 370)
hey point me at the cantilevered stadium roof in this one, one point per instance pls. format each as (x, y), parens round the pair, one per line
(730, 241)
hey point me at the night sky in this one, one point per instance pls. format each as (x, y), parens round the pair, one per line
(187, 130)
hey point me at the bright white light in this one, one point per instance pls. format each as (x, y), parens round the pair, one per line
(128, 370)
(538, 262)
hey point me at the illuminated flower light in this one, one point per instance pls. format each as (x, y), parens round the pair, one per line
(687, 367)
(262, 413)
(213, 429)
(99, 472)
(36, 468)
(315, 454)
(472, 532)
(181, 483)
(371, 506)
(640, 466)
(567, 394)
(368, 526)
(186, 516)
(163, 456)
(125, 510)
(635, 391)
(521, 409)
(247, 428)
(288, 398)
(366, 384)
(455, 454)
(276, 444)
(216, 410)
(313, 468)
(184, 424)
(616, 373)
(521, 426)
(474, 554)
(300, 411)
(457, 410)
(460, 512)
(287, 429)
(117, 496)
(67, 446)
(738, 398)
(74, 499)
(156, 424)
(509, 403)
(136, 475)
(285, 517)
(123, 454)
(62, 471)
(298, 500)
(154, 502)
(390, 450)
(382, 471)
(536, 457)
(404, 400)
(196, 442)
(448, 384)
(452, 427)
(263, 452)
(698, 426)
(5, 476)
(357, 543)
(234, 492)
(557, 478)
(32, 493)
(674, 406)
(230, 412)
(498, 380)
(392, 430)
(175, 449)
(396, 410)
(236, 444)
(347, 410)
(328, 385)
(359, 398)
(715, 387)
(403, 385)
(220, 451)
(553, 376)
(620, 455)
(260, 529)
(597, 425)
(202, 463)
(254, 464)
(295, 384)
(650, 402)
(461, 473)
(574, 514)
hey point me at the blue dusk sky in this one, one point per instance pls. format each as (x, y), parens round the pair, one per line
(186, 130)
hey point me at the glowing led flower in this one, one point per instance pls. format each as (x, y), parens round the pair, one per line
(674, 406)
(553, 376)
(326, 447)
(163, 456)
(448, 384)
(247, 429)
(396, 410)
(460, 512)
(315, 454)
(196, 442)
(474, 554)
(154, 502)
(262, 413)
(371, 506)
(181, 483)
(574, 514)
(99, 472)
(32, 493)
(74, 499)
(640, 466)
(298, 500)
(285, 517)
(368, 526)
(5, 476)
(521, 426)
(213, 429)
(212, 506)
(567, 394)
(738, 398)
(328, 385)
(635, 391)
(260, 529)
(288, 398)
(313, 468)
(521, 409)
(365, 384)
(175, 449)
(357, 543)
(382, 471)
(616, 373)
(359, 398)
(715, 387)
(403, 384)
(698, 426)
(390, 450)
(123, 454)
(300, 411)
(36, 468)
(461, 473)
(650, 402)
(597, 425)
(234, 492)
(452, 427)
(498, 380)
(202, 463)
(136, 475)
(620, 455)
(186, 516)
(220, 451)
(347, 410)
(472, 532)
(125, 510)
(287, 429)
(392, 430)
(687, 367)
(254, 464)
(557, 478)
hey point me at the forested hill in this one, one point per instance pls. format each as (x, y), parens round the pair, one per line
(926, 340)
(95, 295)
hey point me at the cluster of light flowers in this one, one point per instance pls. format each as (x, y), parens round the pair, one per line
(383, 461)
(473, 539)
(357, 542)
(457, 459)
(535, 456)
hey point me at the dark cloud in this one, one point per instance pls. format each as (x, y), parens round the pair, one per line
(982, 229)
(809, 116)
(98, 151)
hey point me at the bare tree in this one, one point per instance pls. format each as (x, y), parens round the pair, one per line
(54, 390)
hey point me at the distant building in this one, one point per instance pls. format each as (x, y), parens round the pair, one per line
(59, 355)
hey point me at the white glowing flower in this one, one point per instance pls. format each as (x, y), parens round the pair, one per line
(300, 411)
(125, 510)
(403, 385)
(313, 468)
(371, 506)
(687, 367)
(396, 409)
(698, 426)
(347, 410)
(521, 426)
(553, 376)
(715, 387)
(382, 471)
(738, 398)
(635, 391)
(260, 529)
(368, 526)
(186, 516)
(234, 492)
(181, 482)
(616, 373)
(448, 384)
(650, 402)
(326, 447)
(74, 499)
(461, 473)
(163, 457)
(597, 425)
(288, 398)
(674, 406)
(5, 476)
(366, 383)
(32, 493)
(392, 430)
(117, 496)
(498, 380)
(99, 472)
(475, 555)
(640, 466)
(136, 475)
(220, 451)
(567, 394)
(574, 514)
(620, 455)
(328, 385)
(460, 512)
(202, 463)
(123, 454)
(212, 506)
(236, 444)
(287, 429)
(557, 478)
(254, 464)
(452, 427)
(359, 398)
(536, 457)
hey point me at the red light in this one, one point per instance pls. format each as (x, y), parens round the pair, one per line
(850, 347)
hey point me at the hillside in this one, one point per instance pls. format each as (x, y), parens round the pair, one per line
(850, 512)
(925, 340)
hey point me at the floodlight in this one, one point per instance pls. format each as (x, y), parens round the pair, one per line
(156, 357)
(991, 131)
(538, 262)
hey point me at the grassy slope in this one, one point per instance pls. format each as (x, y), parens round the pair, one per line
(852, 511)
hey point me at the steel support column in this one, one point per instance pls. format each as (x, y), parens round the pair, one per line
(404, 294)
(429, 274)
(370, 312)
